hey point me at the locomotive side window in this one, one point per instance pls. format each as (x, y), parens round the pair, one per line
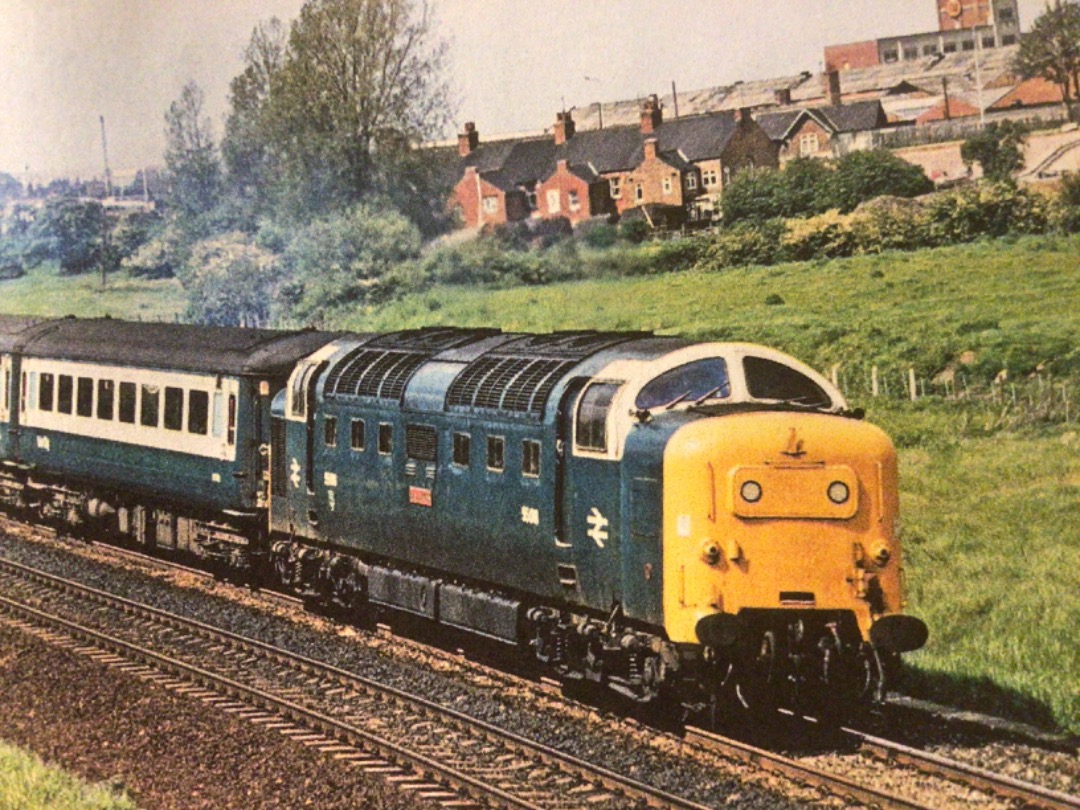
(357, 434)
(127, 402)
(174, 408)
(693, 382)
(198, 411)
(592, 416)
(496, 453)
(462, 449)
(84, 401)
(45, 392)
(148, 407)
(767, 379)
(64, 393)
(330, 431)
(386, 438)
(530, 458)
(106, 390)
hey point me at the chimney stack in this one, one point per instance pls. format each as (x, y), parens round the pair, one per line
(468, 140)
(564, 128)
(743, 116)
(650, 148)
(783, 96)
(651, 115)
(832, 87)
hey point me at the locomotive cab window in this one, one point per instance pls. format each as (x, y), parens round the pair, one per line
(592, 414)
(694, 382)
(768, 379)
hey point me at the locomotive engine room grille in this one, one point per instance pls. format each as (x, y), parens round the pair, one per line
(376, 373)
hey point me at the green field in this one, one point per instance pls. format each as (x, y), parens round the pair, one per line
(990, 489)
(26, 783)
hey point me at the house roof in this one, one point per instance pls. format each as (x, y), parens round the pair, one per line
(854, 117)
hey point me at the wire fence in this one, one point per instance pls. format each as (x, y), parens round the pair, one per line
(1038, 397)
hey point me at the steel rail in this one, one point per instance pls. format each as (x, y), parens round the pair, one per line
(610, 780)
(1006, 786)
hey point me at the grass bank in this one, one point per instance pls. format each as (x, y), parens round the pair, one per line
(44, 291)
(26, 783)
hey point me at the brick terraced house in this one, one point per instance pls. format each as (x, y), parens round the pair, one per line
(666, 169)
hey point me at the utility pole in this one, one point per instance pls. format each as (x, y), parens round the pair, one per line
(105, 153)
(106, 240)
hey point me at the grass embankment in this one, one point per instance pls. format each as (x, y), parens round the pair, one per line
(26, 783)
(44, 291)
(991, 504)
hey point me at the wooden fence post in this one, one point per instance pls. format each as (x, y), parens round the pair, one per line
(912, 386)
(873, 381)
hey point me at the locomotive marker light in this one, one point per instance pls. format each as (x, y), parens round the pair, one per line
(839, 492)
(751, 491)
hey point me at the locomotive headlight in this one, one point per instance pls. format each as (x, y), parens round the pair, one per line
(750, 491)
(838, 492)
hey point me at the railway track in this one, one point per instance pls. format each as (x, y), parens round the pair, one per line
(438, 753)
(329, 724)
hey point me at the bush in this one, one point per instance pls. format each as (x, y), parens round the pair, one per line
(230, 282)
(891, 223)
(997, 149)
(633, 230)
(163, 256)
(745, 243)
(986, 209)
(826, 236)
(675, 254)
(755, 195)
(597, 233)
(861, 176)
(1065, 210)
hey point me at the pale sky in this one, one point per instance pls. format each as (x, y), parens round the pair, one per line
(515, 62)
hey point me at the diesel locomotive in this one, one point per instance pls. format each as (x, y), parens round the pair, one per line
(708, 520)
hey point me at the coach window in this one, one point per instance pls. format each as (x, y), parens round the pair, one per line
(174, 408)
(198, 412)
(592, 416)
(330, 431)
(356, 434)
(530, 458)
(127, 402)
(386, 438)
(64, 393)
(462, 449)
(149, 406)
(45, 392)
(496, 453)
(106, 394)
(230, 435)
(84, 402)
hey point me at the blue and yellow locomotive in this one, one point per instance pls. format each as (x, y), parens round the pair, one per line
(641, 511)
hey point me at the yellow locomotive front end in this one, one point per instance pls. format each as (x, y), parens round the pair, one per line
(781, 557)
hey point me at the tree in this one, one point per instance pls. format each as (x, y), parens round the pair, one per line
(996, 149)
(191, 157)
(70, 232)
(360, 86)
(9, 187)
(754, 194)
(864, 175)
(230, 282)
(1051, 49)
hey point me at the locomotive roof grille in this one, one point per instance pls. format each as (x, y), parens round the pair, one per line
(510, 384)
(375, 373)
(431, 339)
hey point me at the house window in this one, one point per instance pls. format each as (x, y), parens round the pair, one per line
(574, 201)
(356, 434)
(491, 205)
(616, 187)
(967, 45)
(1004, 14)
(330, 431)
(530, 458)
(950, 47)
(496, 453)
(929, 50)
(462, 448)
(890, 56)
(667, 185)
(174, 408)
(691, 182)
(553, 202)
(386, 438)
(1008, 39)
(988, 42)
(639, 192)
(708, 178)
(808, 144)
(106, 393)
(530, 198)
(45, 392)
(127, 402)
(198, 412)
(911, 53)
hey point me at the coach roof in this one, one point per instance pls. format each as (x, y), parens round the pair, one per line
(182, 347)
